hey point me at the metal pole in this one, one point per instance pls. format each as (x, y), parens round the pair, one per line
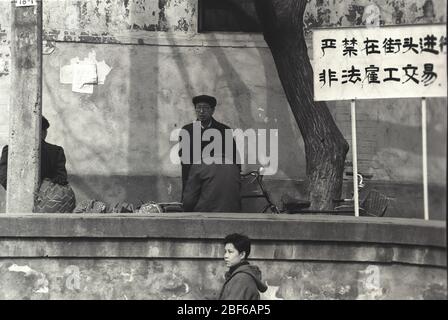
(26, 106)
(354, 159)
(425, 161)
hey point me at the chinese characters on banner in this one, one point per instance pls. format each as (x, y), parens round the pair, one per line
(376, 63)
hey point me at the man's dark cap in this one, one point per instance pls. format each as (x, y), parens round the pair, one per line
(45, 123)
(204, 98)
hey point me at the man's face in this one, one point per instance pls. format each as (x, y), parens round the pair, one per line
(204, 111)
(44, 134)
(232, 256)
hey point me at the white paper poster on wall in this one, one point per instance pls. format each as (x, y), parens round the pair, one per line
(84, 77)
(84, 74)
(382, 62)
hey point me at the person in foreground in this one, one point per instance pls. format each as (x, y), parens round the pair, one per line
(243, 280)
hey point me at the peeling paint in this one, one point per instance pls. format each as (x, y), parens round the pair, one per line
(41, 282)
(43, 289)
(25, 269)
(129, 276)
(190, 278)
(182, 25)
(117, 16)
(5, 61)
(343, 13)
(270, 293)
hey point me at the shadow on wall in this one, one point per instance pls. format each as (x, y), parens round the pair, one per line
(80, 121)
(143, 122)
(390, 138)
(128, 118)
(399, 153)
(2, 200)
(132, 189)
(255, 100)
(243, 102)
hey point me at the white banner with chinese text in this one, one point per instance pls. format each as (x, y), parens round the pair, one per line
(383, 62)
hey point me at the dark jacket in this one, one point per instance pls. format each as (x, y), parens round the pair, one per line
(213, 188)
(189, 128)
(52, 164)
(243, 283)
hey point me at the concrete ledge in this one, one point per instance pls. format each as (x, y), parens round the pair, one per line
(216, 225)
(179, 256)
(199, 236)
(267, 251)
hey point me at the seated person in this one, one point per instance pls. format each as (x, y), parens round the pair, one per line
(52, 163)
(212, 188)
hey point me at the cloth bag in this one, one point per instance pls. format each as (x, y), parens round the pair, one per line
(54, 198)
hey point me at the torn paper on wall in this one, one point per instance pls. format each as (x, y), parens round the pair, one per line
(83, 75)
(103, 70)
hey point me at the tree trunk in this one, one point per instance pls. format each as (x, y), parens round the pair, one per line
(325, 147)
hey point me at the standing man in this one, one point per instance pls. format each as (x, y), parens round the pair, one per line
(204, 106)
(212, 188)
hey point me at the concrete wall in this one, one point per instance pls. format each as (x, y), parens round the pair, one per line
(159, 62)
(175, 256)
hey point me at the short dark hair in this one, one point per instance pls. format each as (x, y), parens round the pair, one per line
(240, 242)
(45, 123)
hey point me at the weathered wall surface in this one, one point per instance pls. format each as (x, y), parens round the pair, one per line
(123, 127)
(130, 279)
(174, 256)
(148, 94)
(340, 13)
(103, 20)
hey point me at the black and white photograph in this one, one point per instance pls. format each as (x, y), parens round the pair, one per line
(230, 155)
